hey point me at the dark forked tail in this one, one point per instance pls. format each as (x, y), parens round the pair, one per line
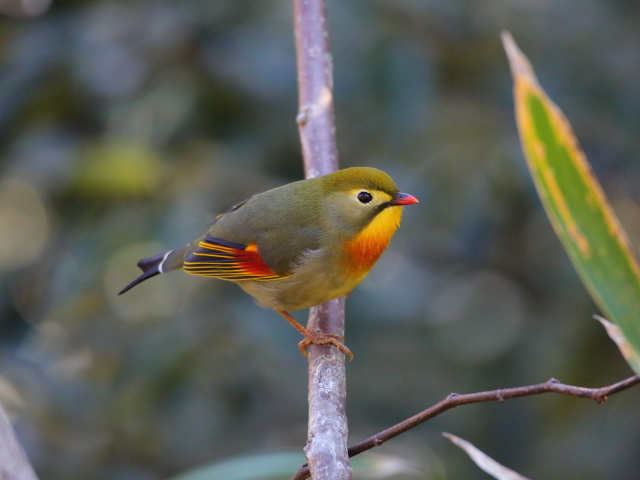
(161, 263)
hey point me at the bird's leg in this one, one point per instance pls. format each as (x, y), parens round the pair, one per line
(315, 338)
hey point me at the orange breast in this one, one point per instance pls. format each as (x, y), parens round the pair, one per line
(363, 251)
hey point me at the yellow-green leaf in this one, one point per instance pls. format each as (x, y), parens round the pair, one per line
(575, 202)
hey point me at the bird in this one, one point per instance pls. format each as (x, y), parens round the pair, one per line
(297, 245)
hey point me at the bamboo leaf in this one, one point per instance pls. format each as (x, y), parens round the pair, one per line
(575, 201)
(279, 465)
(260, 466)
(484, 461)
(631, 355)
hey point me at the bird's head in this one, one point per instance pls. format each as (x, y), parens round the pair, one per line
(361, 198)
(363, 209)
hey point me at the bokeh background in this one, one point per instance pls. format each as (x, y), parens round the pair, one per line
(125, 126)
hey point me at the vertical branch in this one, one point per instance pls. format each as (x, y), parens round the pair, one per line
(315, 88)
(14, 464)
(326, 448)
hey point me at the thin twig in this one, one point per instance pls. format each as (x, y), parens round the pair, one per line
(455, 400)
(326, 447)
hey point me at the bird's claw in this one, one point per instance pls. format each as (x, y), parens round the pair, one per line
(320, 338)
(315, 338)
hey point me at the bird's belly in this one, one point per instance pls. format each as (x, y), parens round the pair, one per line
(304, 289)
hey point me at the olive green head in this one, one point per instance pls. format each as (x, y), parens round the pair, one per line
(353, 197)
(360, 177)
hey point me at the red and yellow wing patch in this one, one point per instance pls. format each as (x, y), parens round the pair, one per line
(228, 261)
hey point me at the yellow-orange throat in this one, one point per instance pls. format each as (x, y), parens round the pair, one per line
(366, 247)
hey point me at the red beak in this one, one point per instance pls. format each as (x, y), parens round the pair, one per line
(403, 199)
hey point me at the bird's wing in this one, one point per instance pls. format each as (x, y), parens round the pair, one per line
(232, 209)
(229, 261)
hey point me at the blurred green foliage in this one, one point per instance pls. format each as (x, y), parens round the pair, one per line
(126, 126)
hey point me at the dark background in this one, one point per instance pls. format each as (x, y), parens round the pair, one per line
(126, 126)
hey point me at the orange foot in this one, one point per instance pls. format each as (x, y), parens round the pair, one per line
(319, 338)
(315, 338)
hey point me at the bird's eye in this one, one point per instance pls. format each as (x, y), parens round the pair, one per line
(365, 197)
